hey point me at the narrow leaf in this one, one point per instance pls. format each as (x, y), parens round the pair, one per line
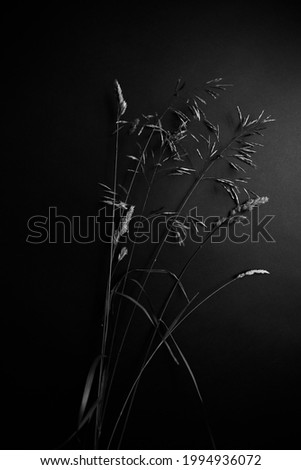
(88, 386)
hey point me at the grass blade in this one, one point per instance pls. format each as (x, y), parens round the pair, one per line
(138, 304)
(88, 386)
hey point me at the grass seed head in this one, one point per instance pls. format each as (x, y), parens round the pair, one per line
(122, 104)
(251, 272)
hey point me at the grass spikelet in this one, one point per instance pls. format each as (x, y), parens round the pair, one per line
(252, 203)
(134, 125)
(252, 272)
(240, 116)
(179, 86)
(201, 100)
(236, 167)
(122, 104)
(124, 225)
(199, 153)
(123, 253)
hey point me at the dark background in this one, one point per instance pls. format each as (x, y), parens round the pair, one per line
(59, 67)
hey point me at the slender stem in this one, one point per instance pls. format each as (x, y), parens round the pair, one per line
(102, 372)
(187, 264)
(197, 390)
(184, 269)
(185, 200)
(132, 251)
(171, 330)
(128, 266)
(178, 323)
(182, 205)
(160, 247)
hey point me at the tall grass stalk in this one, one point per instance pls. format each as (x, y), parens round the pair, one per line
(188, 195)
(238, 153)
(182, 316)
(102, 373)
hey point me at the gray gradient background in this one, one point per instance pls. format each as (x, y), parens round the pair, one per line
(245, 347)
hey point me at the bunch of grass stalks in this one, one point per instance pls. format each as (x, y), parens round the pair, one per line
(181, 143)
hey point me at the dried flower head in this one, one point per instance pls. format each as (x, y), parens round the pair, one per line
(251, 272)
(122, 104)
(123, 253)
(124, 225)
(134, 125)
(251, 203)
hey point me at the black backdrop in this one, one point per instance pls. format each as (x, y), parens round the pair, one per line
(60, 64)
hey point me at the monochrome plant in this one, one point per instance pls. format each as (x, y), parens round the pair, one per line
(182, 143)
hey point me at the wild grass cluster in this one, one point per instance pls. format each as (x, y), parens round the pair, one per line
(183, 143)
